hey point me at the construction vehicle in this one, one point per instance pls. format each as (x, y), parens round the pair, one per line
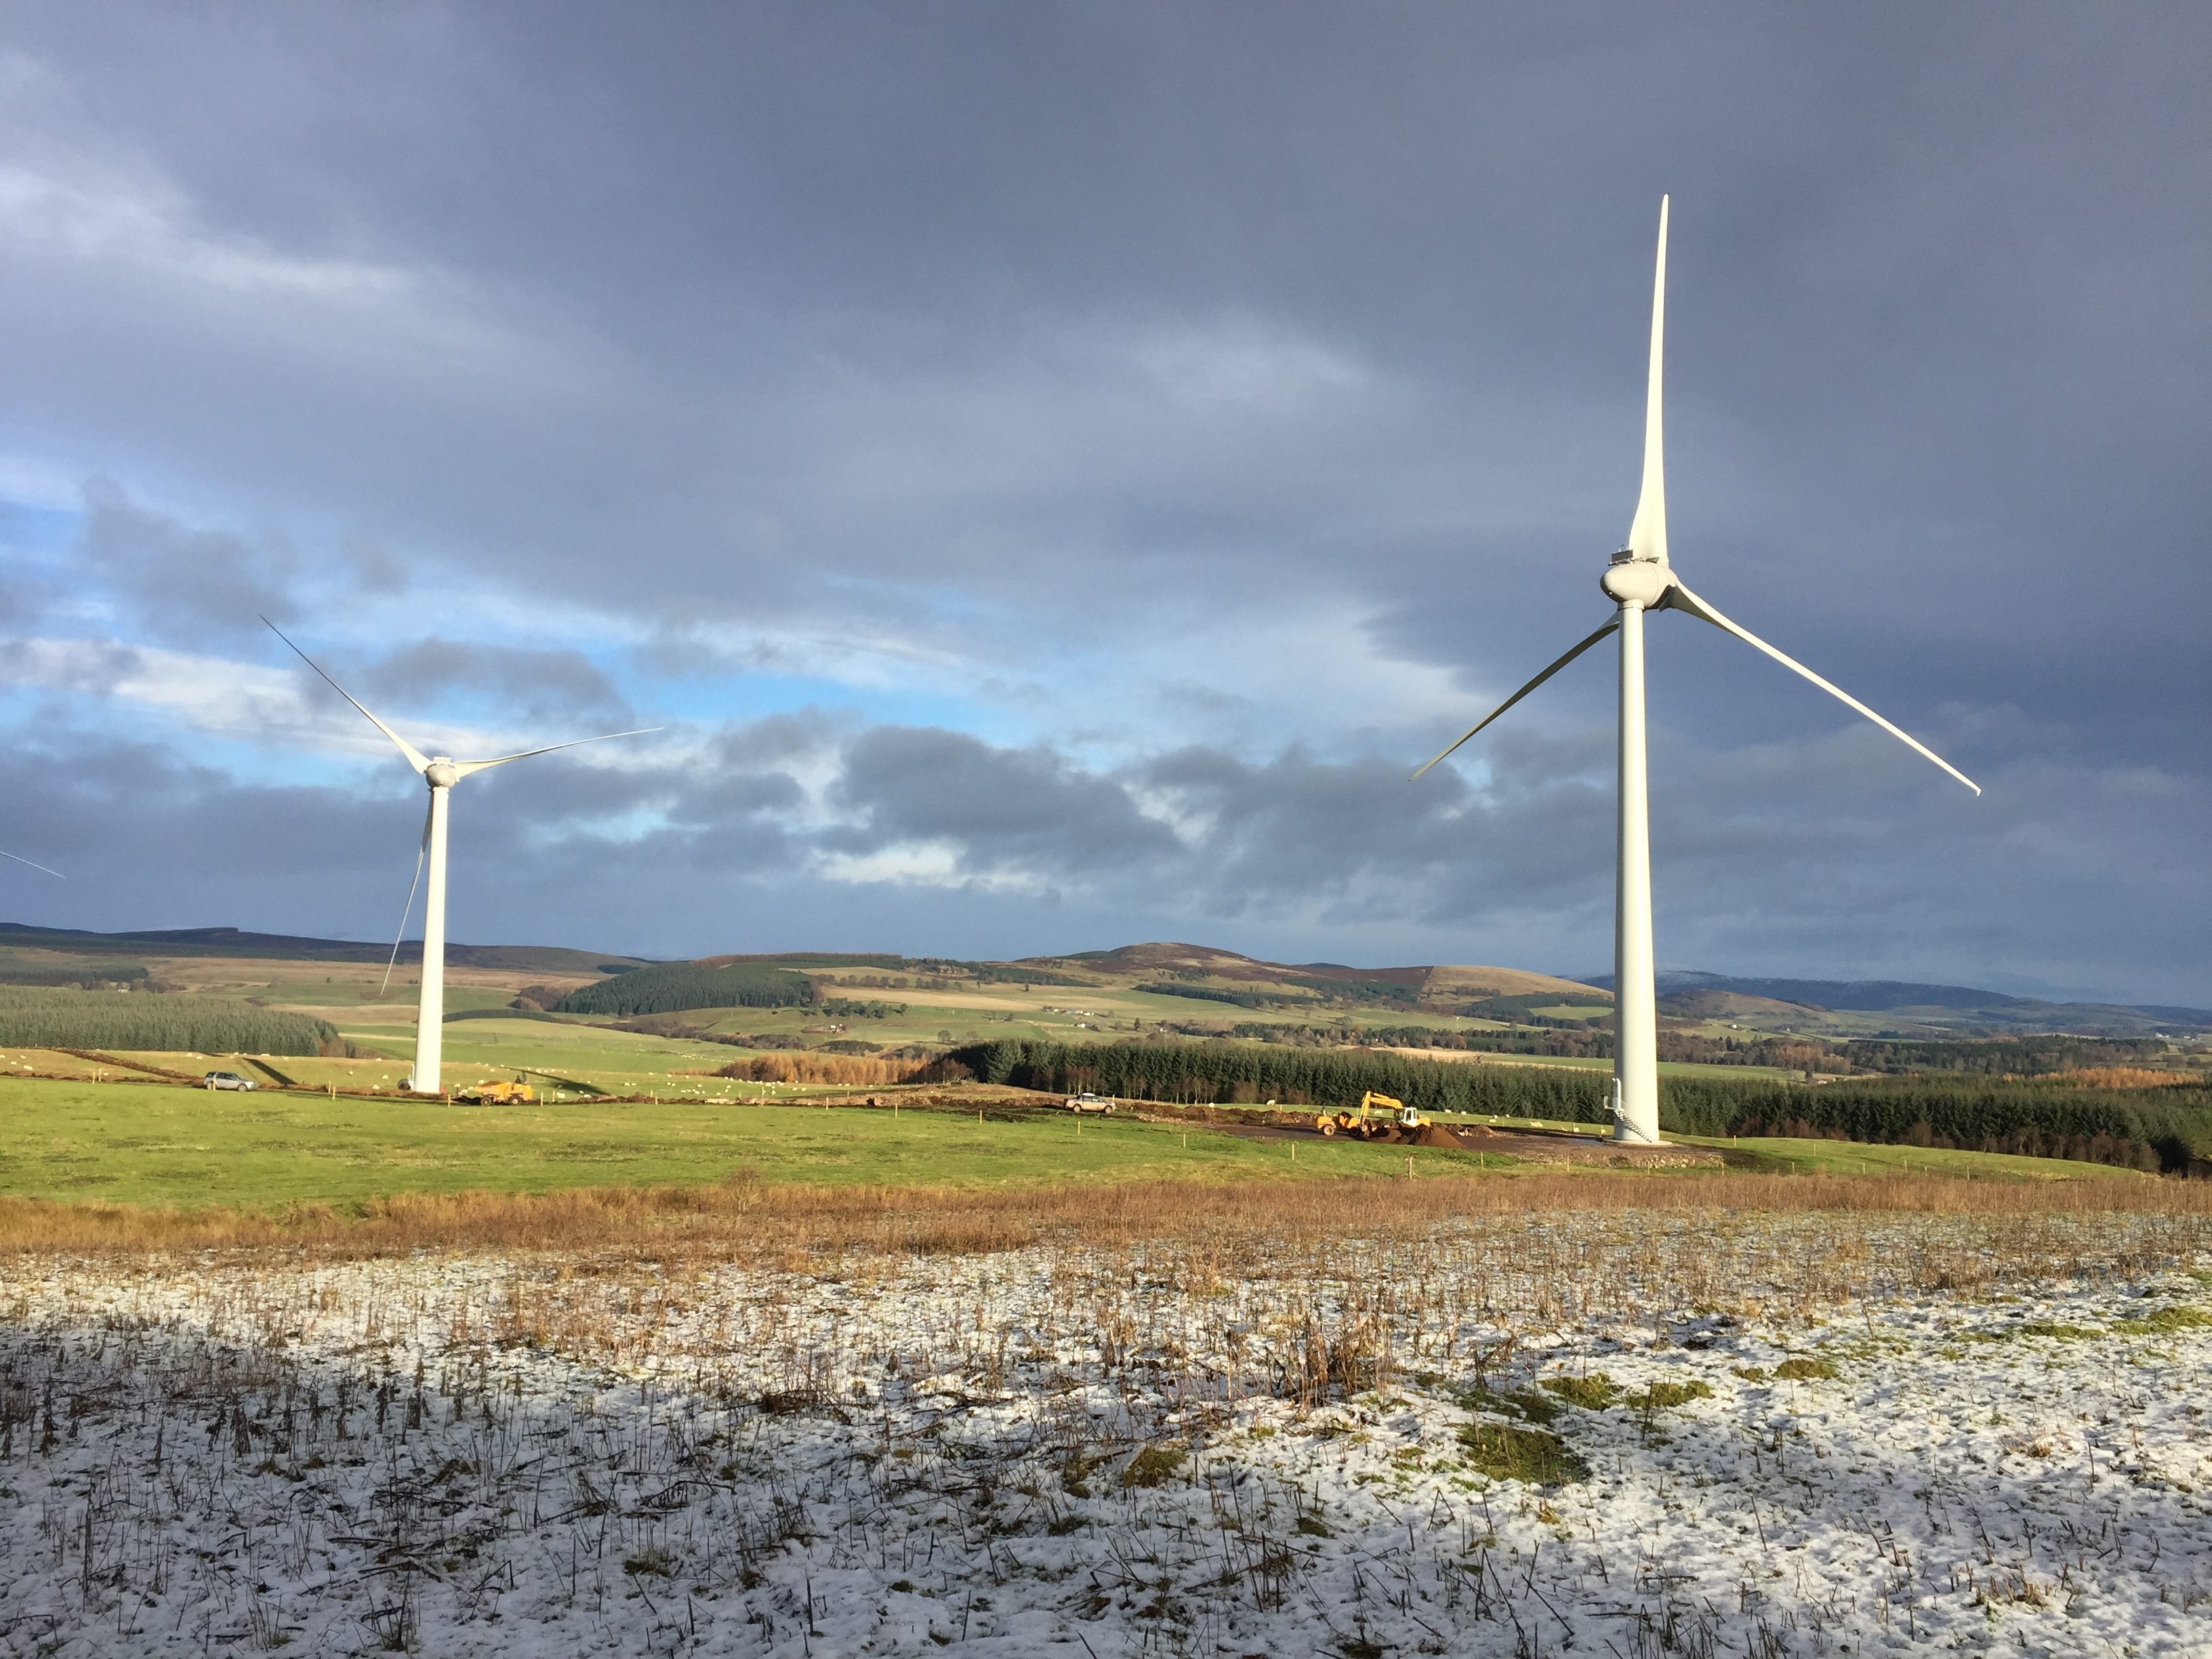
(497, 1093)
(1378, 1117)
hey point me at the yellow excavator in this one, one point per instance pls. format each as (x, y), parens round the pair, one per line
(497, 1093)
(1378, 1117)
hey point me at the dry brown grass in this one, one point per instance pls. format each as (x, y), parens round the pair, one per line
(824, 1068)
(745, 1219)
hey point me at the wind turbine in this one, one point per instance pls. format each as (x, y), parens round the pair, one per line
(441, 773)
(1639, 579)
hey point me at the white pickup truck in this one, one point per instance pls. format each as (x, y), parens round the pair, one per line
(1087, 1102)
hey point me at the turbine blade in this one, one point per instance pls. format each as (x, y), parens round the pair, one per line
(1647, 535)
(420, 852)
(416, 757)
(463, 769)
(1521, 693)
(19, 858)
(1679, 598)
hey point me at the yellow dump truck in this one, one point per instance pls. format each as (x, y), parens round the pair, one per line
(497, 1093)
(1378, 1117)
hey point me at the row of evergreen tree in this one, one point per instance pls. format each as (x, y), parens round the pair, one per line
(35, 1017)
(2021, 1056)
(2168, 1128)
(672, 986)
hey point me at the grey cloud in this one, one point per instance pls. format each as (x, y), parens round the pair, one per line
(1353, 841)
(376, 568)
(1019, 808)
(1776, 858)
(737, 797)
(91, 668)
(183, 584)
(543, 686)
(777, 737)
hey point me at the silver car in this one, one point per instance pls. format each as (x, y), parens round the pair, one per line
(226, 1080)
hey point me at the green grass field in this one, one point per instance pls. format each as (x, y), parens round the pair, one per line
(148, 1143)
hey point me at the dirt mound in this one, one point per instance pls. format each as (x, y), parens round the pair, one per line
(1437, 1135)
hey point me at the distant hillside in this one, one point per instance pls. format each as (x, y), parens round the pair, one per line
(1458, 981)
(1905, 1007)
(1452, 982)
(1705, 1003)
(237, 943)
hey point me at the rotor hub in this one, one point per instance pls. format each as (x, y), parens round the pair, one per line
(440, 773)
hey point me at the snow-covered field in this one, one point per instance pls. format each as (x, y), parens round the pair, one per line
(1768, 1435)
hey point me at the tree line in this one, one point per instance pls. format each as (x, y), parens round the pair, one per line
(2167, 1128)
(36, 1017)
(2021, 1056)
(672, 986)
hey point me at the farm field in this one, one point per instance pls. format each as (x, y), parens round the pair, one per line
(1313, 1428)
(146, 1143)
(149, 1144)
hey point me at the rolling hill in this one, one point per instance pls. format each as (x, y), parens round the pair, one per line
(233, 942)
(1835, 1009)
(1903, 1008)
(1451, 983)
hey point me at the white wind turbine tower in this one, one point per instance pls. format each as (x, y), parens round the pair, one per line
(441, 773)
(1638, 580)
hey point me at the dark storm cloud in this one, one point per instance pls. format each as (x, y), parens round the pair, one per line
(784, 336)
(841, 270)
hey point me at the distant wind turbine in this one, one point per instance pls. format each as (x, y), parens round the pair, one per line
(441, 773)
(1638, 580)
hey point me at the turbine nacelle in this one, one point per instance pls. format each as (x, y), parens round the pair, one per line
(441, 773)
(1630, 580)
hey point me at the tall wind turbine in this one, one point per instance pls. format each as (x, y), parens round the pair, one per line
(441, 773)
(1638, 580)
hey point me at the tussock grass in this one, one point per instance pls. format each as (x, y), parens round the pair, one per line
(1593, 1393)
(1537, 1456)
(2165, 1321)
(1805, 1371)
(843, 1069)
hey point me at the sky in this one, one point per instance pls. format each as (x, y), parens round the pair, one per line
(1052, 470)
